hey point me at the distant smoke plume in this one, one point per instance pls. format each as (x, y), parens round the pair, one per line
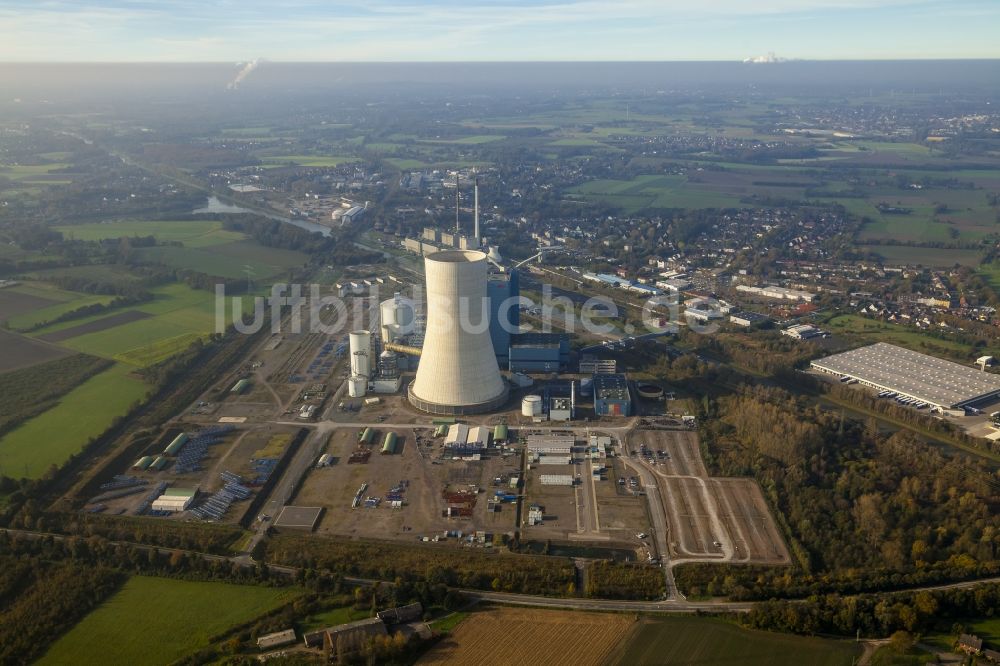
(244, 72)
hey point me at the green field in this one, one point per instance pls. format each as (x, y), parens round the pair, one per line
(65, 301)
(925, 256)
(469, 140)
(178, 315)
(85, 412)
(192, 233)
(305, 160)
(689, 641)
(987, 628)
(32, 173)
(227, 260)
(654, 192)
(879, 331)
(157, 621)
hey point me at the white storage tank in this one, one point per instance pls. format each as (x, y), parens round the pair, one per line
(531, 405)
(361, 364)
(357, 386)
(397, 317)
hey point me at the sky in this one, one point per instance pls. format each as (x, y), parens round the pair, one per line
(497, 30)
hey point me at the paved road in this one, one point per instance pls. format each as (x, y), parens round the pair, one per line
(666, 606)
(658, 515)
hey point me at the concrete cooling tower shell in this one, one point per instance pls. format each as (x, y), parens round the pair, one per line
(458, 371)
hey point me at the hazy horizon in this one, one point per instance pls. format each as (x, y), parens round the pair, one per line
(506, 31)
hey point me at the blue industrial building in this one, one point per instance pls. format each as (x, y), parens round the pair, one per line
(611, 395)
(539, 352)
(502, 289)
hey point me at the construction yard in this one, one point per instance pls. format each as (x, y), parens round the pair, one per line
(407, 494)
(710, 518)
(207, 460)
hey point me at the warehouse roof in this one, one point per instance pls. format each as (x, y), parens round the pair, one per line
(913, 374)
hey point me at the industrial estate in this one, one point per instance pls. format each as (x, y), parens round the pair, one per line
(668, 369)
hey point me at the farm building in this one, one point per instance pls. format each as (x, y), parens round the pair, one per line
(174, 499)
(346, 638)
(611, 395)
(912, 375)
(407, 613)
(277, 639)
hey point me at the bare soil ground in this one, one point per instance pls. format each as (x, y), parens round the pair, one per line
(524, 636)
(17, 351)
(334, 488)
(13, 303)
(94, 326)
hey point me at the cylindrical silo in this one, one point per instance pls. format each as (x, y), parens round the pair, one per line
(360, 346)
(357, 386)
(361, 364)
(531, 405)
(458, 371)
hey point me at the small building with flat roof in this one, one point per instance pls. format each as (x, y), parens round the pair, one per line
(611, 395)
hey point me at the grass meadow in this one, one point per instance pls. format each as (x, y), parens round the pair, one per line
(153, 621)
(85, 412)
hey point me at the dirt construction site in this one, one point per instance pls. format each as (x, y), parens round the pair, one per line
(410, 494)
(709, 518)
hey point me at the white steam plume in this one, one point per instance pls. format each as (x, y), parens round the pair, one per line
(244, 72)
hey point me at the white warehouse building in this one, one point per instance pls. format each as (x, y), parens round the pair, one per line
(912, 375)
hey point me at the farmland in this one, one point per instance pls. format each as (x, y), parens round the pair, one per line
(691, 641)
(509, 635)
(653, 192)
(158, 620)
(274, 161)
(31, 391)
(175, 317)
(192, 233)
(925, 256)
(40, 302)
(17, 351)
(84, 412)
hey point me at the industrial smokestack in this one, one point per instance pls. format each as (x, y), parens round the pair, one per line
(456, 204)
(476, 214)
(458, 371)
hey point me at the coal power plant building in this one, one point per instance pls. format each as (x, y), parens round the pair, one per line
(458, 371)
(503, 291)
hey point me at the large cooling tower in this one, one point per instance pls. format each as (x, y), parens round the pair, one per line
(458, 372)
